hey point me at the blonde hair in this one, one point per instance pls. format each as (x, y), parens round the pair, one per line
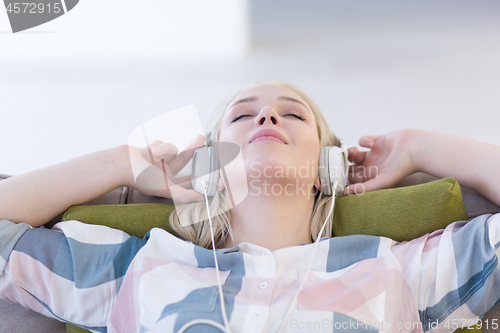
(199, 233)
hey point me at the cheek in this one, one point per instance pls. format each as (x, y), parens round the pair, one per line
(311, 141)
(310, 149)
(225, 135)
(236, 132)
(229, 135)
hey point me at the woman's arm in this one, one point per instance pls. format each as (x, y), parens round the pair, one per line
(472, 163)
(38, 196)
(396, 155)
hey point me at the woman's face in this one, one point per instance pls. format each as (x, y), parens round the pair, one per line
(276, 131)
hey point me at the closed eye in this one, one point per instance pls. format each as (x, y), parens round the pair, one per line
(246, 114)
(239, 117)
(295, 115)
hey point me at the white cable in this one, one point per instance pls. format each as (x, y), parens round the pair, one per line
(202, 321)
(316, 243)
(226, 327)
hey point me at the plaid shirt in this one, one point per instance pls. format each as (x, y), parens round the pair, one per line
(106, 281)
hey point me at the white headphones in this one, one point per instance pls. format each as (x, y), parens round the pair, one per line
(205, 170)
(332, 166)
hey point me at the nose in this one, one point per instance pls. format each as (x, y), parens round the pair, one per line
(267, 116)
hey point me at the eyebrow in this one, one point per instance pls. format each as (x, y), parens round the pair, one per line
(254, 98)
(286, 98)
(245, 100)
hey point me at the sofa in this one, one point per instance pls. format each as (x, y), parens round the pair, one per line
(16, 319)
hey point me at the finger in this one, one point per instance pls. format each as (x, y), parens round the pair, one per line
(150, 148)
(352, 175)
(357, 174)
(170, 180)
(358, 188)
(155, 143)
(382, 181)
(184, 181)
(352, 153)
(182, 195)
(360, 157)
(169, 176)
(197, 142)
(165, 151)
(183, 158)
(367, 141)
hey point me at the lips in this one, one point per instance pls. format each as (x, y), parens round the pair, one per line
(268, 133)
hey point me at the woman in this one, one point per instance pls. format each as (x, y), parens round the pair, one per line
(124, 284)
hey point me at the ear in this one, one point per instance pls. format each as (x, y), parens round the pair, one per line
(317, 184)
(221, 185)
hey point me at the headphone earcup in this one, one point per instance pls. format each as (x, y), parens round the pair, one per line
(324, 175)
(333, 167)
(205, 169)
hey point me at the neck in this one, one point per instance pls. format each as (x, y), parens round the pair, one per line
(272, 221)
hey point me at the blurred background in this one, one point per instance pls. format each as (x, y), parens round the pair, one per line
(84, 81)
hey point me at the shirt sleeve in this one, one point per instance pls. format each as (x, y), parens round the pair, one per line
(72, 272)
(454, 273)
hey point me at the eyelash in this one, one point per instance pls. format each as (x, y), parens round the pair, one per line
(246, 114)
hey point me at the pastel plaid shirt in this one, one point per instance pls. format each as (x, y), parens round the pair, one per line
(106, 281)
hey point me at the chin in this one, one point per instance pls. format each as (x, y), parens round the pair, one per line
(270, 169)
(279, 166)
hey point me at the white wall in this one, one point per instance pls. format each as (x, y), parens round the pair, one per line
(117, 30)
(373, 67)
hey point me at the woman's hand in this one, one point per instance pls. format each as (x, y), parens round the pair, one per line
(153, 170)
(396, 155)
(389, 160)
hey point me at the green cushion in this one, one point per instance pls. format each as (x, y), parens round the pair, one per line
(401, 213)
(135, 219)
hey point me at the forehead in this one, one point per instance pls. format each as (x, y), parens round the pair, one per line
(267, 93)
